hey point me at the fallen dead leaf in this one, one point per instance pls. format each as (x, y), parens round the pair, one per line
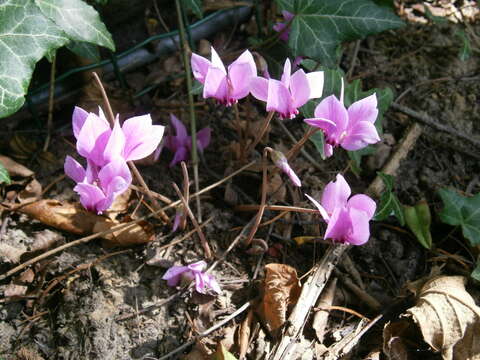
(281, 289)
(120, 204)
(15, 290)
(15, 169)
(134, 234)
(244, 334)
(10, 254)
(45, 239)
(448, 318)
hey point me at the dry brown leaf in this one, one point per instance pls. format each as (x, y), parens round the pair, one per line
(45, 239)
(134, 234)
(10, 253)
(64, 216)
(15, 290)
(120, 204)
(25, 277)
(244, 334)
(394, 335)
(448, 318)
(32, 191)
(15, 169)
(281, 289)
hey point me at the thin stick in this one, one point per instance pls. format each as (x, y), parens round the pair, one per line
(203, 240)
(136, 173)
(51, 97)
(118, 227)
(262, 131)
(186, 192)
(207, 332)
(275, 208)
(191, 109)
(186, 236)
(263, 200)
(293, 152)
(160, 197)
(427, 120)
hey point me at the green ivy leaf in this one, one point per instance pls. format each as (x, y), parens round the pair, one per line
(4, 176)
(419, 219)
(287, 5)
(318, 140)
(463, 211)
(78, 20)
(194, 6)
(476, 272)
(85, 50)
(389, 203)
(25, 37)
(319, 27)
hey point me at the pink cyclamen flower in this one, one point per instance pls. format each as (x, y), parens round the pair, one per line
(98, 188)
(351, 128)
(347, 217)
(280, 26)
(226, 86)
(291, 92)
(191, 272)
(181, 142)
(281, 162)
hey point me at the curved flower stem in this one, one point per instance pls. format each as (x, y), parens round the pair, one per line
(240, 134)
(263, 201)
(262, 131)
(276, 208)
(293, 152)
(111, 119)
(51, 98)
(193, 124)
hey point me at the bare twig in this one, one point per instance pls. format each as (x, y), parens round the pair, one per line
(276, 208)
(354, 59)
(320, 318)
(203, 240)
(207, 332)
(51, 97)
(427, 120)
(293, 152)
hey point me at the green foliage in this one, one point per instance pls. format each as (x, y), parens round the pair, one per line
(32, 29)
(85, 50)
(389, 203)
(195, 6)
(463, 211)
(4, 176)
(476, 272)
(319, 27)
(222, 354)
(318, 140)
(419, 219)
(466, 48)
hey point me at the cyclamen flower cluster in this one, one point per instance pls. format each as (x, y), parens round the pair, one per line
(107, 151)
(178, 274)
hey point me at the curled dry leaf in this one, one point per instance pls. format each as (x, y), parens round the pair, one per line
(281, 289)
(447, 317)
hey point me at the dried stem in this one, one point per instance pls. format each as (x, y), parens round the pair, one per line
(293, 152)
(203, 240)
(191, 109)
(262, 131)
(275, 208)
(263, 200)
(111, 119)
(51, 97)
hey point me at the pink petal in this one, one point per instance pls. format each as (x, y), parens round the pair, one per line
(363, 203)
(332, 109)
(199, 282)
(278, 27)
(198, 266)
(116, 143)
(363, 110)
(327, 150)
(93, 138)
(212, 283)
(90, 195)
(216, 85)
(315, 83)
(299, 88)
(287, 15)
(285, 167)
(173, 275)
(328, 126)
(287, 71)
(180, 155)
(259, 88)
(320, 208)
(180, 129)
(335, 194)
(279, 98)
(78, 119)
(240, 73)
(360, 227)
(74, 170)
(217, 62)
(142, 138)
(339, 226)
(200, 67)
(203, 138)
(115, 177)
(360, 135)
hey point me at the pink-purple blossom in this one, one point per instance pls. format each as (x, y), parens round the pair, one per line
(106, 152)
(347, 217)
(181, 143)
(281, 162)
(226, 86)
(185, 274)
(351, 128)
(281, 27)
(290, 93)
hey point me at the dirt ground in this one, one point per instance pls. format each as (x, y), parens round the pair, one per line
(69, 314)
